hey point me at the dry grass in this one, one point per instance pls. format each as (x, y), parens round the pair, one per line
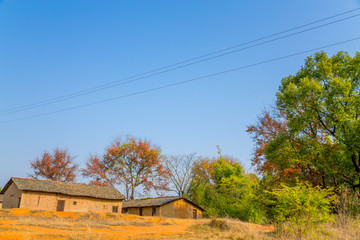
(228, 229)
(343, 227)
(25, 224)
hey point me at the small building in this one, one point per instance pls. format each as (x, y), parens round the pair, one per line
(172, 207)
(60, 196)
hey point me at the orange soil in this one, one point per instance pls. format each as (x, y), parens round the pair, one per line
(26, 224)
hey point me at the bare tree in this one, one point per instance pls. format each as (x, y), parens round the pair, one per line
(180, 167)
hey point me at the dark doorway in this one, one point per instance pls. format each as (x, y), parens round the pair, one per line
(115, 209)
(194, 214)
(140, 211)
(19, 202)
(153, 211)
(60, 205)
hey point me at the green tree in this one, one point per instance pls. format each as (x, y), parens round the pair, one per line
(223, 188)
(322, 100)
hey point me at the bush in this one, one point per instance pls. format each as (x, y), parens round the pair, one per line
(301, 206)
(219, 224)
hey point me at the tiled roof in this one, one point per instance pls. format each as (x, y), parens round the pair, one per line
(72, 189)
(155, 202)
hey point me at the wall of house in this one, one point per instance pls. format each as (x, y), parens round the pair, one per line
(179, 209)
(49, 201)
(12, 196)
(1, 200)
(133, 211)
(176, 209)
(103, 205)
(39, 201)
(146, 211)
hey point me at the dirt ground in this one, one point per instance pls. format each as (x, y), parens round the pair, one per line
(27, 224)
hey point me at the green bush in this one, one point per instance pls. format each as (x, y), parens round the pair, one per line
(301, 206)
(226, 191)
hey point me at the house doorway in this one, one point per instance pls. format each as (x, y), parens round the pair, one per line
(60, 205)
(194, 214)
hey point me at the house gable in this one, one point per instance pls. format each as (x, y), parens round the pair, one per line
(181, 208)
(12, 196)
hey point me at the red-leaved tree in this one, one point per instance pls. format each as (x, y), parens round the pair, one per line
(288, 156)
(57, 166)
(132, 163)
(97, 171)
(269, 124)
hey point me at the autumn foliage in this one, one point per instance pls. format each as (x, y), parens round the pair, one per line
(57, 166)
(131, 163)
(96, 171)
(263, 132)
(271, 125)
(288, 156)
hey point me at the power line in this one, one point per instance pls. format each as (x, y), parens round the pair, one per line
(181, 82)
(182, 64)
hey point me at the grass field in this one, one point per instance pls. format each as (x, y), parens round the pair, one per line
(28, 224)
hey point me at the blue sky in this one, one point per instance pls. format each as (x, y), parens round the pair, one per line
(53, 48)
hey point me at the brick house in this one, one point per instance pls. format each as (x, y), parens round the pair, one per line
(173, 207)
(60, 196)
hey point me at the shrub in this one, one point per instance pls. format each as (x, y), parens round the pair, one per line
(219, 224)
(301, 206)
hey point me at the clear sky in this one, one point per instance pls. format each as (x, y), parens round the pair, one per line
(49, 49)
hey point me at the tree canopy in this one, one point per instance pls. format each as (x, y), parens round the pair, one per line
(57, 166)
(322, 101)
(132, 163)
(179, 168)
(221, 185)
(317, 136)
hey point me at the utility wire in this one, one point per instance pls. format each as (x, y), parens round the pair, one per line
(181, 82)
(175, 66)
